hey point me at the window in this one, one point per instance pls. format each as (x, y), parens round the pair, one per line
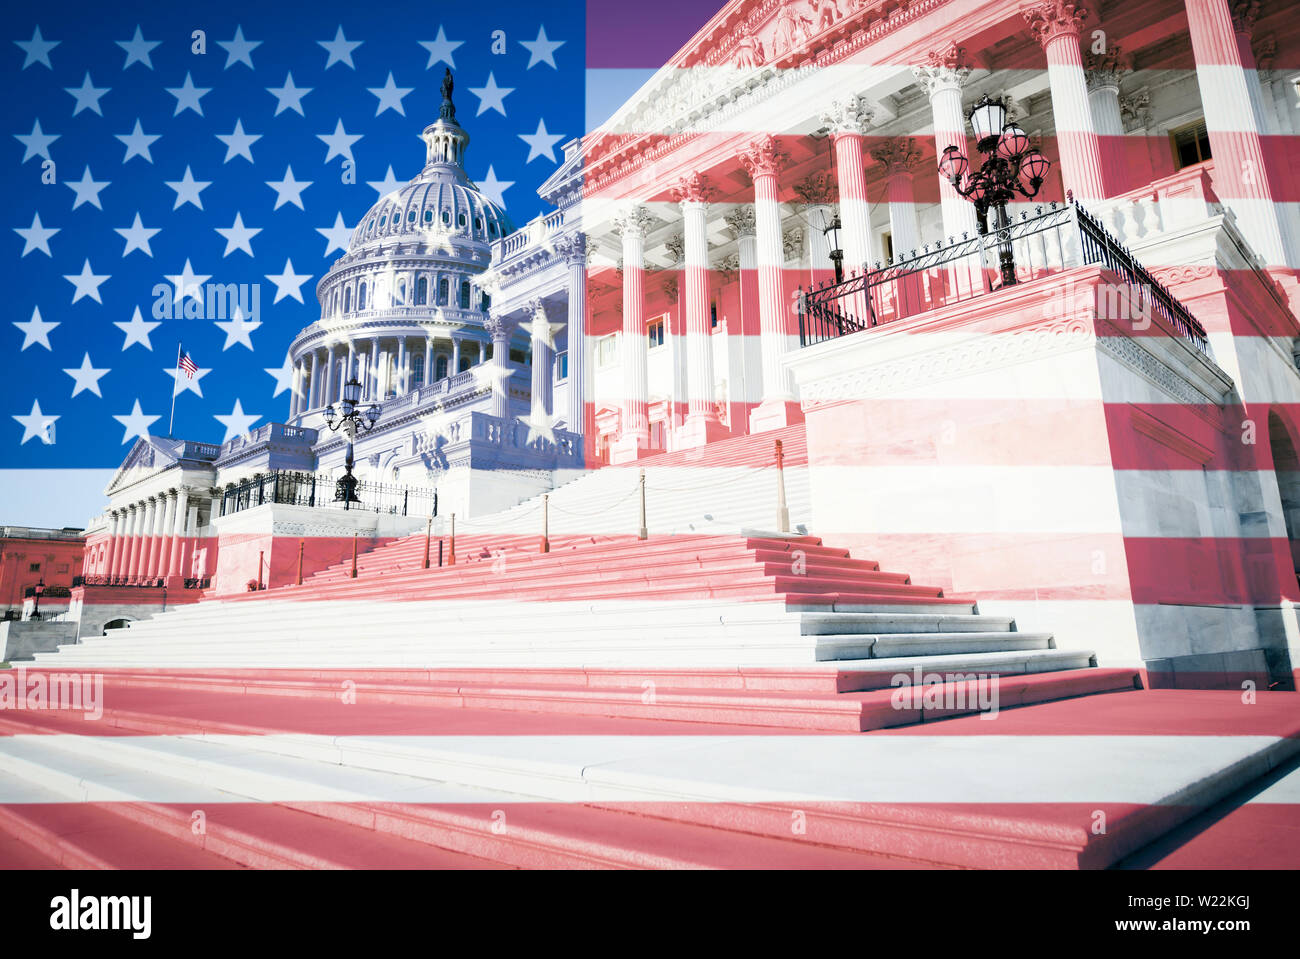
(361, 297)
(417, 370)
(887, 245)
(382, 221)
(446, 217)
(478, 223)
(655, 332)
(561, 366)
(713, 315)
(421, 291)
(347, 300)
(371, 226)
(442, 291)
(410, 216)
(34, 568)
(441, 367)
(487, 303)
(464, 294)
(1190, 143)
(428, 216)
(460, 220)
(401, 293)
(492, 229)
(62, 568)
(605, 350)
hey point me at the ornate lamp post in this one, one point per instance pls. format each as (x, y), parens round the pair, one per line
(350, 420)
(831, 231)
(37, 590)
(1011, 166)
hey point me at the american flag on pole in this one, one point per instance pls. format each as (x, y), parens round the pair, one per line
(188, 365)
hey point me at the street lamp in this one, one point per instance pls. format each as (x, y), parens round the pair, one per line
(831, 231)
(36, 604)
(349, 420)
(1011, 166)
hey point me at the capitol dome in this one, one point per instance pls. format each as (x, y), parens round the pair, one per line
(402, 308)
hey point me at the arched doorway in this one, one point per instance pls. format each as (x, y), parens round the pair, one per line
(1286, 467)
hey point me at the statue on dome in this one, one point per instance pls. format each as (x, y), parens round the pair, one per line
(448, 109)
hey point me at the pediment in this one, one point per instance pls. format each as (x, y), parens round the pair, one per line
(145, 458)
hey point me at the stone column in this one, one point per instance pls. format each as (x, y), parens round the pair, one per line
(1056, 25)
(428, 361)
(178, 529)
(749, 386)
(1104, 71)
(575, 253)
(149, 538)
(455, 356)
(942, 78)
(114, 522)
(313, 386)
(167, 524)
(131, 545)
(351, 370)
(123, 561)
(542, 405)
(847, 121)
(900, 158)
(1240, 176)
(763, 161)
(702, 424)
(371, 390)
(402, 378)
(332, 379)
(499, 328)
(635, 433)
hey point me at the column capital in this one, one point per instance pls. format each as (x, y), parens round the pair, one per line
(1265, 51)
(498, 327)
(1244, 14)
(944, 69)
(633, 221)
(693, 188)
(741, 221)
(818, 189)
(853, 115)
(1102, 70)
(1055, 18)
(764, 157)
(900, 156)
(572, 248)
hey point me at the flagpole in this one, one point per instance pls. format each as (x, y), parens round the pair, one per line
(171, 420)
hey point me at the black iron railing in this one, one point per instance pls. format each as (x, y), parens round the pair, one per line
(1055, 238)
(307, 489)
(129, 583)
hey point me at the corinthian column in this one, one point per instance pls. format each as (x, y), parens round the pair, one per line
(166, 522)
(635, 434)
(900, 158)
(499, 329)
(574, 251)
(1056, 25)
(178, 531)
(1104, 71)
(941, 78)
(543, 344)
(763, 161)
(702, 424)
(847, 121)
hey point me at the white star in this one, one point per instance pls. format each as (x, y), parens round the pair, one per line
(237, 330)
(288, 96)
(137, 331)
(541, 50)
(390, 96)
(337, 235)
(37, 49)
(495, 189)
(86, 377)
(188, 189)
(238, 49)
(238, 142)
(37, 236)
(541, 425)
(541, 328)
(137, 236)
(182, 382)
(288, 190)
(491, 97)
(137, 49)
(541, 143)
(37, 142)
(188, 96)
(87, 96)
(492, 375)
(340, 49)
(238, 236)
(387, 185)
(86, 283)
(440, 49)
(288, 283)
(36, 424)
(137, 142)
(283, 376)
(339, 142)
(36, 330)
(136, 423)
(236, 423)
(87, 190)
(188, 283)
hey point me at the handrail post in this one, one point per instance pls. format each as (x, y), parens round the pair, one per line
(428, 532)
(546, 522)
(260, 554)
(451, 550)
(642, 532)
(354, 555)
(782, 512)
(300, 548)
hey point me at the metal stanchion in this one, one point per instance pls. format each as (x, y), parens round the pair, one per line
(300, 547)
(782, 512)
(451, 551)
(260, 554)
(428, 530)
(546, 523)
(354, 555)
(642, 532)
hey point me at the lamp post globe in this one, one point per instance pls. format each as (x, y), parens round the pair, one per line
(350, 419)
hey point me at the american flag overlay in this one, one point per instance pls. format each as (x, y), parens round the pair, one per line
(772, 433)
